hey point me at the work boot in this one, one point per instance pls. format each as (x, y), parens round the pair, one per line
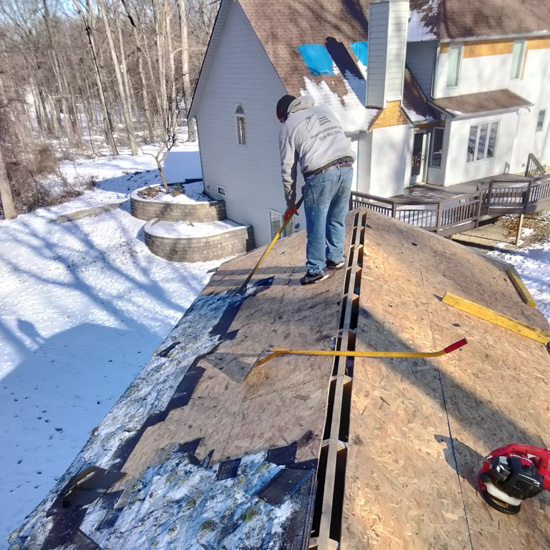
(310, 278)
(334, 265)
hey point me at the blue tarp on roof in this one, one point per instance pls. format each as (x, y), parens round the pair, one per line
(361, 49)
(316, 58)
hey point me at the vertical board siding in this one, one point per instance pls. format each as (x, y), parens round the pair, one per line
(241, 73)
(377, 54)
(397, 46)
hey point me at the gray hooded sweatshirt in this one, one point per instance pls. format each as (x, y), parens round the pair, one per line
(311, 136)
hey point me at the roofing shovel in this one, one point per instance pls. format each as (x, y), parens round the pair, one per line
(244, 287)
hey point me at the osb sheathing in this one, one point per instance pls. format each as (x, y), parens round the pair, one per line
(391, 115)
(279, 403)
(414, 423)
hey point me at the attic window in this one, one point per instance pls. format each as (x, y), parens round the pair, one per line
(361, 49)
(241, 129)
(317, 59)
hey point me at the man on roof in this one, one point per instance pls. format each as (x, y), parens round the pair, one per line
(313, 139)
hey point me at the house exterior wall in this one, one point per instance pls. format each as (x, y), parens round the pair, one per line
(486, 66)
(379, 14)
(241, 73)
(386, 55)
(421, 61)
(390, 161)
(458, 170)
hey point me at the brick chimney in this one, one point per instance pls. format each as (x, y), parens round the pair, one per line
(388, 21)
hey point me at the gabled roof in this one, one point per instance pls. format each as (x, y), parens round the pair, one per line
(461, 19)
(283, 25)
(483, 102)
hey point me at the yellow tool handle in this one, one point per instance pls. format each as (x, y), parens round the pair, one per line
(283, 351)
(243, 287)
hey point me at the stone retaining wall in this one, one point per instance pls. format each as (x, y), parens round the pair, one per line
(176, 212)
(200, 249)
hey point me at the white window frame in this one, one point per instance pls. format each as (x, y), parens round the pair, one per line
(289, 229)
(541, 121)
(240, 125)
(432, 143)
(489, 125)
(455, 83)
(516, 72)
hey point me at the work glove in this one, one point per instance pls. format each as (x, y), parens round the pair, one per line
(290, 212)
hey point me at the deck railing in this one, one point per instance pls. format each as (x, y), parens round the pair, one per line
(534, 168)
(463, 212)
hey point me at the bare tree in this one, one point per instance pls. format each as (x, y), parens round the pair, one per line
(126, 111)
(6, 195)
(87, 20)
(186, 81)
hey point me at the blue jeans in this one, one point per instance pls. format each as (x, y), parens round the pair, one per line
(326, 202)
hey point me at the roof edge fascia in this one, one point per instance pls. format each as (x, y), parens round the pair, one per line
(538, 34)
(219, 23)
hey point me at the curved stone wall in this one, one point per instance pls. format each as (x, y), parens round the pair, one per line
(199, 249)
(176, 212)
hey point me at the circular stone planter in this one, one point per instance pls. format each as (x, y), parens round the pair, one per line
(179, 242)
(149, 209)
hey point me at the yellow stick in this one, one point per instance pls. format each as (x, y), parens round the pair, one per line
(486, 314)
(243, 287)
(520, 287)
(285, 351)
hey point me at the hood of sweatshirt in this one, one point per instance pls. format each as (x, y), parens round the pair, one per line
(300, 103)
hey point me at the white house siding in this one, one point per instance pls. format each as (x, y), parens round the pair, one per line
(421, 62)
(241, 73)
(535, 87)
(363, 163)
(492, 72)
(397, 46)
(377, 54)
(458, 170)
(390, 164)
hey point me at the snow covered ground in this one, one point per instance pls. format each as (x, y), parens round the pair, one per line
(533, 264)
(83, 306)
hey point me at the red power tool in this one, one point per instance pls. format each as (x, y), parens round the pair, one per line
(514, 473)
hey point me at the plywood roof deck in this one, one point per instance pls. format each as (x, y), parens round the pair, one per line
(416, 423)
(418, 428)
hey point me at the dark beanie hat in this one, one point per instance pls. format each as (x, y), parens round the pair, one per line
(282, 106)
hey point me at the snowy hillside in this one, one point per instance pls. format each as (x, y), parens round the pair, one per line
(83, 306)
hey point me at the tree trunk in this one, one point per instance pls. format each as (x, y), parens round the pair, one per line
(141, 71)
(120, 82)
(107, 115)
(160, 40)
(5, 192)
(172, 99)
(186, 81)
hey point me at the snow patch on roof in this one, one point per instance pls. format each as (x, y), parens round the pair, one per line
(179, 501)
(413, 115)
(418, 30)
(353, 115)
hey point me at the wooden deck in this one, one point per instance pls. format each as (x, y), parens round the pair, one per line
(455, 209)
